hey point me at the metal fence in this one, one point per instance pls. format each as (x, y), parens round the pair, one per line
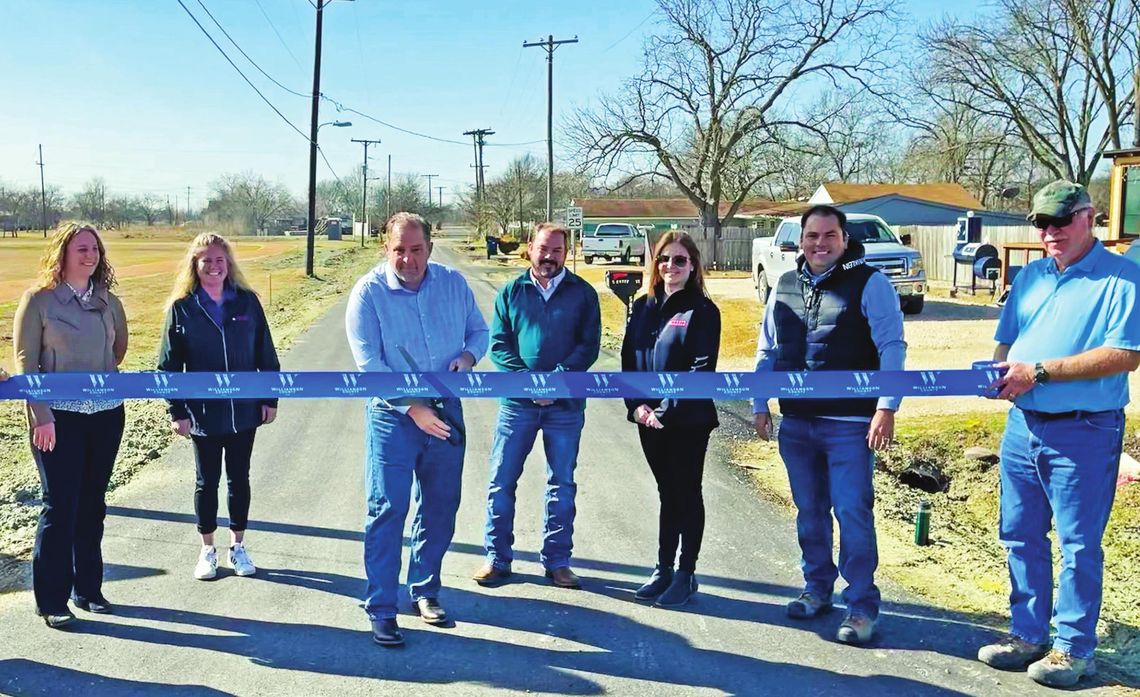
(937, 244)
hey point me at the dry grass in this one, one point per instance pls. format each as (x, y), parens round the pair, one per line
(144, 265)
(964, 568)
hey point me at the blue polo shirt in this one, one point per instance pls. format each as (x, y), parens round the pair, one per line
(1054, 314)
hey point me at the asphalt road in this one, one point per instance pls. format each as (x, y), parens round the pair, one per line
(297, 627)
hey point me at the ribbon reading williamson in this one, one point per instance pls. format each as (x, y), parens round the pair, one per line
(325, 385)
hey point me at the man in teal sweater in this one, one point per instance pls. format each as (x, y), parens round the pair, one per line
(546, 320)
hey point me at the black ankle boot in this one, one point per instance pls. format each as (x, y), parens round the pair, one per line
(682, 588)
(658, 582)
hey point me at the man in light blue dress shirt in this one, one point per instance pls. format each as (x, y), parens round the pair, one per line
(1069, 334)
(427, 310)
(833, 312)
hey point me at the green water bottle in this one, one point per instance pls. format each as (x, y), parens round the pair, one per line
(922, 524)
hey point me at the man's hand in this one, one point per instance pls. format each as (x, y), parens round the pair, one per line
(763, 423)
(1018, 380)
(645, 416)
(428, 421)
(43, 437)
(882, 430)
(268, 414)
(462, 364)
(180, 427)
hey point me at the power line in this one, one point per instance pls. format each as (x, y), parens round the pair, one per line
(239, 72)
(280, 38)
(251, 61)
(341, 107)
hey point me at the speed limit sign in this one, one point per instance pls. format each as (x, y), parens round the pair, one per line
(574, 218)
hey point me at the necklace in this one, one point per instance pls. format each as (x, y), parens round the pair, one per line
(85, 296)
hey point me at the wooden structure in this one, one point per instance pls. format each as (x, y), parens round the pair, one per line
(1124, 198)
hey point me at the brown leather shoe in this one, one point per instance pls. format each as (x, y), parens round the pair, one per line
(564, 578)
(431, 611)
(491, 576)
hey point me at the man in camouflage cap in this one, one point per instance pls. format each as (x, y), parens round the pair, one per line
(1068, 335)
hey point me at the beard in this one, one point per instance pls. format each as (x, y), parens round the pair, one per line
(547, 268)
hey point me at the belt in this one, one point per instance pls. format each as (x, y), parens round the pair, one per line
(1067, 415)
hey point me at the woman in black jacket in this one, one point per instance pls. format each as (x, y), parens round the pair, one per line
(674, 328)
(215, 323)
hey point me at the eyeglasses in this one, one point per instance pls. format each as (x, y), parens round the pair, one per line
(679, 261)
(1042, 222)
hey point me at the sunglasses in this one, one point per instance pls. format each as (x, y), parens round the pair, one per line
(1042, 222)
(679, 261)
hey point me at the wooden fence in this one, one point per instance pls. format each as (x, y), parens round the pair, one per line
(732, 252)
(937, 244)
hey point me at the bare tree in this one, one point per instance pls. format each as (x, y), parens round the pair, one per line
(249, 194)
(719, 80)
(1059, 71)
(91, 202)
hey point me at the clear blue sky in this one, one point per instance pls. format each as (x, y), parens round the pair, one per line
(132, 91)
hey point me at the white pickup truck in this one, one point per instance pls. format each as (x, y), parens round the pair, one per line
(772, 256)
(614, 241)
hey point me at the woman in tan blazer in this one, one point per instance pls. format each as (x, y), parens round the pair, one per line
(71, 322)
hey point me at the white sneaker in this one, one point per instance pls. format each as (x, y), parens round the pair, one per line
(207, 567)
(239, 559)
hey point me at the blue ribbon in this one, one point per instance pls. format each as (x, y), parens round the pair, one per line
(325, 385)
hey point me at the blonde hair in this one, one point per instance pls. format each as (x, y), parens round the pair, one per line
(53, 260)
(186, 282)
(696, 276)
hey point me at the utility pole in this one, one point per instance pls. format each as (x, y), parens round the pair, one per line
(477, 136)
(313, 126)
(518, 177)
(550, 45)
(429, 178)
(43, 191)
(388, 198)
(440, 190)
(366, 229)
(187, 204)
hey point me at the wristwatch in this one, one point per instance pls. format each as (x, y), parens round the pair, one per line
(1040, 375)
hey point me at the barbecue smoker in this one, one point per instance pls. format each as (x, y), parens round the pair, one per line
(977, 260)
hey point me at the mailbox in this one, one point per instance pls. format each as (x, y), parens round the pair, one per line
(625, 285)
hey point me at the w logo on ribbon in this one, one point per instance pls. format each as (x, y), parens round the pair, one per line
(538, 380)
(98, 380)
(286, 379)
(929, 378)
(36, 381)
(862, 379)
(349, 379)
(601, 380)
(223, 379)
(797, 379)
(161, 380)
(411, 379)
(666, 379)
(475, 379)
(993, 375)
(732, 379)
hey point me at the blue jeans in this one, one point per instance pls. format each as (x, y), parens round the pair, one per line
(515, 432)
(401, 460)
(1062, 469)
(829, 469)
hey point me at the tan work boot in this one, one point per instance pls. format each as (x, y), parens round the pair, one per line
(1059, 669)
(1011, 653)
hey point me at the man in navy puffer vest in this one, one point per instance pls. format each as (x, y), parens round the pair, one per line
(833, 312)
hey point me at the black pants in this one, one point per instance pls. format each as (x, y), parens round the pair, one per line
(68, 557)
(677, 458)
(208, 452)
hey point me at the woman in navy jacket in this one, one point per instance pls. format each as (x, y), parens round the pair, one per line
(674, 328)
(215, 323)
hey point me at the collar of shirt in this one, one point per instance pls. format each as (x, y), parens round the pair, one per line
(393, 281)
(228, 294)
(64, 294)
(1086, 263)
(549, 289)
